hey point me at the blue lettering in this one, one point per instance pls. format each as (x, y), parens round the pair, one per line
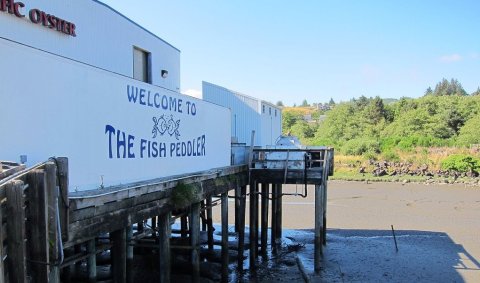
(110, 130)
(179, 106)
(188, 107)
(162, 150)
(142, 147)
(130, 146)
(164, 102)
(194, 109)
(149, 103)
(132, 93)
(173, 104)
(142, 97)
(121, 142)
(157, 103)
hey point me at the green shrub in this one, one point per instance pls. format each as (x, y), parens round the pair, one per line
(391, 156)
(461, 163)
(361, 146)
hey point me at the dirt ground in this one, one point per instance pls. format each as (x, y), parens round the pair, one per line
(437, 230)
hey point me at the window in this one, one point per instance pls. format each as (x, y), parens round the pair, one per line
(275, 112)
(141, 65)
(270, 111)
(263, 108)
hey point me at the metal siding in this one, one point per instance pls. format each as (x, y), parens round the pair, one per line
(249, 114)
(105, 38)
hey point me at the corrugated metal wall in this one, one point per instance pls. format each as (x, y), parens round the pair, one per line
(247, 114)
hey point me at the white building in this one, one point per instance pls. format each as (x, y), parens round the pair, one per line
(247, 114)
(83, 81)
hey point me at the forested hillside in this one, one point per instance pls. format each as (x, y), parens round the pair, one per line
(446, 117)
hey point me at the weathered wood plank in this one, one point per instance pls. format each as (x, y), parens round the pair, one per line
(84, 199)
(318, 228)
(91, 261)
(84, 230)
(2, 267)
(38, 221)
(224, 216)
(164, 234)
(53, 218)
(62, 163)
(194, 218)
(264, 219)
(16, 232)
(119, 255)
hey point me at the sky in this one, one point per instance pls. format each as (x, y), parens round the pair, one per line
(289, 51)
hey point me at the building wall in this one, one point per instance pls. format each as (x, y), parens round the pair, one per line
(104, 38)
(246, 114)
(75, 97)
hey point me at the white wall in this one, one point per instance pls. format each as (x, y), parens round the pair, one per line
(104, 38)
(52, 106)
(246, 114)
(271, 123)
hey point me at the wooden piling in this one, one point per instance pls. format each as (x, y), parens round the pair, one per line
(318, 227)
(273, 231)
(224, 216)
(209, 223)
(53, 221)
(119, 255)
(194, 218)
(279, 213)
(129, 247)
(2, 267)
(91, 261)
(253, 224)
(324, 226)
(62, 168)
(164, 233)
(183, 226)
(16, 232)
(264, 219)
(38, 222)
(241, 231)
(237, 193)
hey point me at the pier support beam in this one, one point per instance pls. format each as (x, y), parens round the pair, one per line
(253, 223)
(264, 219)
(16, 232)
(224, 216)
(273, 231)
(130, 252)
(318, 226)
(164, 233)
(209, 223)
(241, 231)
(194, 240)
(91, 262)
(119, 255)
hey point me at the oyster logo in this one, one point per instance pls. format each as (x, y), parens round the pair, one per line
(164, 125)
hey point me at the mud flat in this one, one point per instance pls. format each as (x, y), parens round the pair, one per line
(437, 229)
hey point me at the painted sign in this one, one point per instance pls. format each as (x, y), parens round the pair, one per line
(112, 128)
(38, 16)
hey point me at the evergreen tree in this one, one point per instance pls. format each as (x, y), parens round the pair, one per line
(429, 91)
(279, 103)
(305, 103)
(449, 88)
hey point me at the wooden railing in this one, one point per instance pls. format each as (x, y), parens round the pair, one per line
(34, 214)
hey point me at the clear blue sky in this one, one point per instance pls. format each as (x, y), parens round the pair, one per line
(314, 50)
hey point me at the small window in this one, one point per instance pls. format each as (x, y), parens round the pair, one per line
(270, 111)
(275, 112)
(141, 65)
(263, 108)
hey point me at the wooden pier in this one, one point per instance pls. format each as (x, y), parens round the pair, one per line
(50, 234)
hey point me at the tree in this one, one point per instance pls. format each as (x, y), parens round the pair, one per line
(429, 91)
(279, 103)
(305, 103)
(331, 102)
(449, 88)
